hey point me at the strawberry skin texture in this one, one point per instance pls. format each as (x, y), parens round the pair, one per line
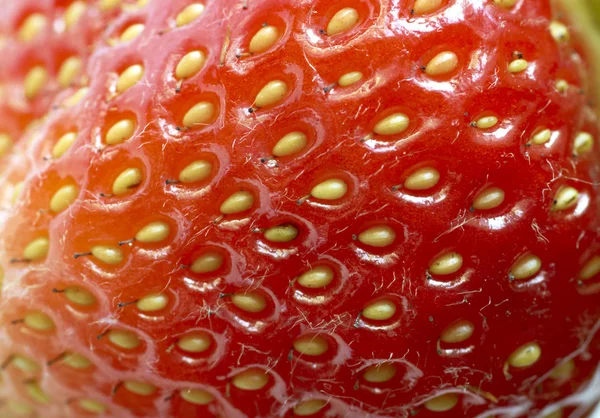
(522, 270)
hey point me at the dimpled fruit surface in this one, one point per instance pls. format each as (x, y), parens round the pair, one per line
(243, 208)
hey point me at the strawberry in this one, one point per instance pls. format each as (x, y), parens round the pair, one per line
(343, 208)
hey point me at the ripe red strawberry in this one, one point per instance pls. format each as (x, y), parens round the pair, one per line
(243, 208)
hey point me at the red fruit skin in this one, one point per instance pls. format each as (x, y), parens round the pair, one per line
(389, 45)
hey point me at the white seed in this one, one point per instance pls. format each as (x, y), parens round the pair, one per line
(120, 132)
(6, 144)
(380, 373)
(107, 254)
(541, 137)
(331, 189)
(189, 14)
(559, 31)
(426, 6)
(251, 379)
(350, 78)
(38, 321)
(35, 80)
(457, 332)
(490, 198)
(311, 345)
(200, 114)
(443, 63)
(238, 202)
(562, 86)
(25, 364)
(92, 406)
(132, 32)
(422, 179)
(526, 267)
(518, 66)
(63, 198)
(272, 93)
(36, 249)
(63, 144)
(584, 142)
(195, 171)
(590, 269)
(564, 370)
(32, 26)
(446, 264)
(344, 20)
(76, 361)
(152, 303)
(290, 144)
(69, 70)
(442, 403)
(317, 277)
(195, 343)
(79, 296)
(139, 388)
(308, 408)
(129, 77)
(153, 232)
(127, 180)
(281, 233)
(505, 3)
(207, 263)
(124, 339)
(486, 122)
(565, 198)
(264, 39)
(190, 65)
(196, 396)
(252, 301)
(76, 97)
(73, 13)
(380, 310)
(392, 124)
(36, 393)
(525, 356)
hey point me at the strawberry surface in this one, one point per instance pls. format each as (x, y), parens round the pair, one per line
(343, 208)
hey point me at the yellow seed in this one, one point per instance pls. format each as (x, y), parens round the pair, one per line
(76, 97)
(281, 233)
(251, 379)
(36, 249)
(190, 64)
(562, 86)
(380, 373)
(525, 356)
(317, 277)
(526, 267)
(541, 137)
(378, 236)
(200, 114)
(36, 393)
(422, 179)
(380, 310)
(195, 171)
(73, 13)
(486, 122)
(63, 197)
(20, 408)
(273, 92)
(207, 263)
(290, 144)
(310, 407)
(350, 78)
(392, 125)
(63, 144)
(446, 264)
(311, 345)
(120, 132)
(34, 81)
(443, 63)
(127, 180)
(344, 20)
(76, 361)
(565, 198)
(559, 31)
(584, 142)
(238, 202)
(69, 70)
(518, 66)
(505, 3)
(442, 403)
(139, 388)
(196, 396)
(25, 364)
(564, 370)
(124, 339)
(17, 192)
(195, 343)
(189, 14)
(489, 198)
(107, 5)
(558, 413)
(590, 269)
(331, 189)
(129, 77)
(32, 27)
(38, 321)
(152, 303)
(107, 254)
(426, 6)
(6, 143)
(80, 296)
(264, 39)
(249, 301)
(153, 232)
(132, 32)
(91, 406)
(458, 332)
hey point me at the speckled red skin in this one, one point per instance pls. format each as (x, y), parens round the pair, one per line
(388, 46)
